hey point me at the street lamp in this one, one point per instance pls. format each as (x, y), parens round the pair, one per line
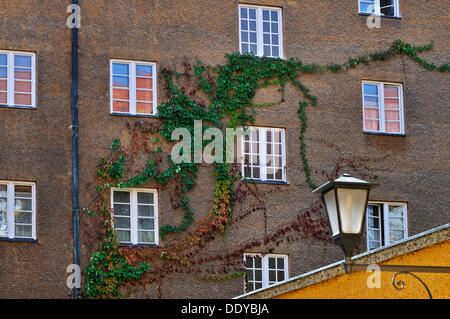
(346, 201)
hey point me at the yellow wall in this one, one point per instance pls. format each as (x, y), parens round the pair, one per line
(354, 285)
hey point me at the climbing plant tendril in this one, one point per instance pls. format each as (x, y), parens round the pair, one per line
(220, 96)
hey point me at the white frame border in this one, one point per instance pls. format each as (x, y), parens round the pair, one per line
(381, 111)
(132, 86)
(10, 208)
(259, 32)
(133, 212)
(10, 79)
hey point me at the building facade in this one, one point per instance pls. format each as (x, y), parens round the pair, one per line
(385, 122)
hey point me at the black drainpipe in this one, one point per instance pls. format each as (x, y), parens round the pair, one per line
(75, 188)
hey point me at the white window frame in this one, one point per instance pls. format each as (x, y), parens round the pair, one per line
(377, 7)
(259, 29)
(263, 153)
(10, 79)
(381, 110)
(132, 86)
(384, 221)
(134, 213)
(10, 210)
(265, 267)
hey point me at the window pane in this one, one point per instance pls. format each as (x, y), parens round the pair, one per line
(3, 59)
(280, 263)
(393, 127)
(146, 237)
(21, 86)
(124, 235)
(22, 191)
(146, 224)
(3, 72)
(121, 81)
(248, 262)
(22, 99)
(274, 15)
(392, 115)
(371, 89)
(22, 60)
(374, 244)
(144, 83)
(122, 222)
(371, 101)
(144, 70)
(252, 13)
(3, 217)
(22, 204)
(396, 223)
(244, 36)
(390, 91)
(258, 275)
(145, 211)
(122, 209)
(121, 106)
(272, 275)
(275, 52)
(144, 108)
(395, 211)
(372, 125)
(146, 96)
(266, 15)
(22, 74)
(257, 262)
(280, 276)
(272, 263)
(145, 198)
(244, 13)
(121, 94)
(244, 25)
(22, 231)
(396, 235)
(374, 235)
(274, 27)
(121, 197)
(374, 222)
(121, 68)
(391, 103)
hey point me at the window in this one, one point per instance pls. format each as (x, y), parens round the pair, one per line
(386, 223)
(383, 107)
(260, 31)
(133, 87)
(262, 271)
(263, 153)
(135, 213)
(386, 8)
(17, 79)
(17, 210)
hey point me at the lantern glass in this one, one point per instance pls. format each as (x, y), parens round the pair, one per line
(352, 205)
(330, 203)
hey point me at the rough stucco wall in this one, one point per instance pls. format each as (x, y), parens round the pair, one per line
(35, 145)
(413, 169)
(354, 285)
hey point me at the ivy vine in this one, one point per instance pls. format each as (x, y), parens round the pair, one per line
(227, 93)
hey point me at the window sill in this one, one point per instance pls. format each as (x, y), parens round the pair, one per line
(139, 245)
(18, 107)
(385, 134)
(134, 115)
(387, 17)
(26, 240)
(265, 182)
